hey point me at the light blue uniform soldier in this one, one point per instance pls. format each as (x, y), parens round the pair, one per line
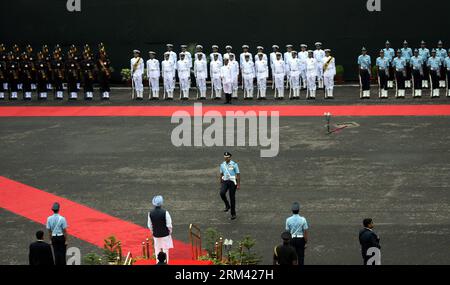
(434, 64)
(447, 71)
(365, 65)
(424, 53)
(442, 54)
(56, 226)
(416, 63)
(383, 65)
(390, 54)
(399, 64)
(407, 54)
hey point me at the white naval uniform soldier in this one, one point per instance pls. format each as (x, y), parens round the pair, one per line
(172, 55)
(287, 58)
(214, 70)
(168, 75)
(293, 68)
(303, 55)
(184, 74)
(229, 50)
(187, 55)
(153, 74)
(215, 49)
(199, 50)
(248, 74)
(226, 74)
(201, 73)
(262, 73)
(278, 73)
(235, 73)
(319, 54)
(244, 53)
(329, 71)
(312, 70)
(137, 69)
(260, 50)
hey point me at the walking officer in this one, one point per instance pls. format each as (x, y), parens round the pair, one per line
(365, 64)
(230, 181)
(297, 226)
(57, 230)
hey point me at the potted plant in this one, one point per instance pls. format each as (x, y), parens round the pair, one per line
(126, 75)
(92, 259)
(339, 74)
(111, 250)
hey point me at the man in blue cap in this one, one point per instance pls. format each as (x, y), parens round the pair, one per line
(297, 226)
(56, 226)
(230, 181)
(160, 224)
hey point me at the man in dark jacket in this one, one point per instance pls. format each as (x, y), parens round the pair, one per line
(40, 251)
(160, 224)
(368, 239)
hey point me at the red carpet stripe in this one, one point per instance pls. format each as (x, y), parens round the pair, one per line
(85, 223)
(167, 111)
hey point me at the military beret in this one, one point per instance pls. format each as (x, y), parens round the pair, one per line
(227, 154)
(55, 206)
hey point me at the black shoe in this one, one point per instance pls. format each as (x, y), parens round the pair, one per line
(226, 209)
(233, 217)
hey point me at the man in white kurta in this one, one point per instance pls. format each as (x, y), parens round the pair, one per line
(153, 74)
(160, 224)
(137, 69)
(312, 67)
(294, 75)
(262, 73)
(214, 70)
(168, 74)
(248, 74)
(184, 74)
(226, 74)
(201, 73)
(235, 73)
(278, 73)
(329, 71)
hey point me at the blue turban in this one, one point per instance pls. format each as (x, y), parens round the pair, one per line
(157, 201)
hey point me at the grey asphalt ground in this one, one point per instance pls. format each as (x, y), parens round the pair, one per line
(393, 169)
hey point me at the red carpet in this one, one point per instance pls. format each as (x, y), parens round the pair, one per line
(175, 262)
(84, 223)
(164, 111)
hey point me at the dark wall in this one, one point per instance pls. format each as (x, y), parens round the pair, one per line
(123, 25)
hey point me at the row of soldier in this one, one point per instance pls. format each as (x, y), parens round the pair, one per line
(292, 70)
(418, 69)
(48, 72)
